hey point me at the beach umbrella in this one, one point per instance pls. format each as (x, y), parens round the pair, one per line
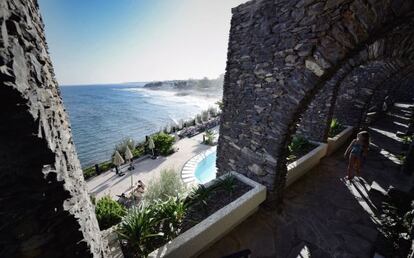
(128, 154)
(118, 160)
(151, 145)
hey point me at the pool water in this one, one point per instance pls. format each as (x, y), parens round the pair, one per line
(206, 169)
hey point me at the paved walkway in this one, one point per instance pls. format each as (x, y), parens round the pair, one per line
(323, 214)
(145, 170)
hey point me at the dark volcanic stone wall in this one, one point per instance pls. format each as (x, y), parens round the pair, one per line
(45, 210)
(287, 61)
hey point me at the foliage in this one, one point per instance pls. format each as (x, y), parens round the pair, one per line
(140, 228)
(162, 216)
(171, 213)
(227, 182)
(108, 212)
(150, 225)
(163, 143)
(190, 122)
(198, 119)
(407, 139)
(335, 128)
(298, 144)
(199, 195)
(205, 116)
(167, 185)
(90, 171)
(213, 111)
(122, 145)
(138, 151)
(401, 157)
(209, 137)
(220, 104)
(397, 224)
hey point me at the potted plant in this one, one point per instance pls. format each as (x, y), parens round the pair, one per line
(185, 224)
(303, 156)
(338, 135)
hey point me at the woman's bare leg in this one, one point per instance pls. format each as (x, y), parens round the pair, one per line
(351, 165)
(357, 166)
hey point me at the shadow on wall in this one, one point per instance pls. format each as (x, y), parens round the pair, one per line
(31, 205)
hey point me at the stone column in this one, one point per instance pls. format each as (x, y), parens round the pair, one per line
(45, 209)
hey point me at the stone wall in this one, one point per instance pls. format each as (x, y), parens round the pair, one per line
(286, 64)
(45, 210)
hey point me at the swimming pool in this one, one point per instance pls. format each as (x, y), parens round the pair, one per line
(201, 168)
(206, 169)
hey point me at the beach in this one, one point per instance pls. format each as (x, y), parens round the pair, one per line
(103, 115)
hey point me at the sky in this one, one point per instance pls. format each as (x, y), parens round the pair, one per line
(116, 41)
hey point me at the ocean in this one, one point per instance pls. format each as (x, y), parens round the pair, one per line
(103, 115)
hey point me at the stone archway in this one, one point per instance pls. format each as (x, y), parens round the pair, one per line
(281, 54)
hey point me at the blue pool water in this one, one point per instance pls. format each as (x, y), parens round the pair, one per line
(206, 169)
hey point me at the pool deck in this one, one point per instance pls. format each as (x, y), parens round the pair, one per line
(145, 170)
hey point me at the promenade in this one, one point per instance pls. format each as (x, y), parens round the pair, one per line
(109, 183)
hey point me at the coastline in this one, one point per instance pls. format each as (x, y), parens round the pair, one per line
(103, 115)
(184, 129)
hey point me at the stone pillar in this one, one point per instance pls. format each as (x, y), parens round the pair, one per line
(315, 121)
(45, 210)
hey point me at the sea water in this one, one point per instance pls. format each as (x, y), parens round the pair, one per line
(103, 115)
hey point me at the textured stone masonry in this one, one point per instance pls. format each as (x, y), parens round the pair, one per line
(45, 210)
(296, 65)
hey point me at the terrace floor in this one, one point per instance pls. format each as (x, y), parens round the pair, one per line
(323, 214)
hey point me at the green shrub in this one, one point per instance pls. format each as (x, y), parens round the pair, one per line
(335, 128)
(138, 151)
(139, 228)
(205, 116)
(407, 139)
(199, 195)
(298, 145)
(212, 111)
(209, 137)
(171, 214)
(89, 172)
(227, 183)
(152, 224)
(198, 119)
(163, 143)
(169, 184)
(108, 212)
(298, 142)
(220, 104)
(105, 166)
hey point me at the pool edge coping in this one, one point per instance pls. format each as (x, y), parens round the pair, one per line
(190, 166)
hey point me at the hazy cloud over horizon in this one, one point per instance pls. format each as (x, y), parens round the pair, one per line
(108, 41)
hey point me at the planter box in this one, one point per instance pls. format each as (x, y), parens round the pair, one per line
(211, 229)
(337, 141)
(299, 167)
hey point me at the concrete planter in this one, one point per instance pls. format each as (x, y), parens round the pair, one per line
(337, 141)
(299, 167)
(211, 229)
